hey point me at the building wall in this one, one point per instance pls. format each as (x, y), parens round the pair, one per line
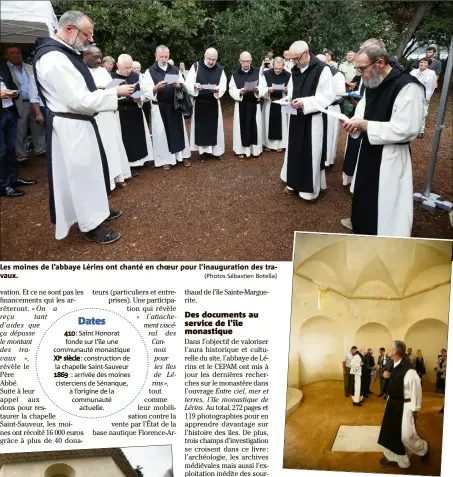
(319, 338)
(83, 467)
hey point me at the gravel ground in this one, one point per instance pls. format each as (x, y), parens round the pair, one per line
(231, 210)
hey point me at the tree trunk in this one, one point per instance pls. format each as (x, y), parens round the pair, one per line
(412, 26)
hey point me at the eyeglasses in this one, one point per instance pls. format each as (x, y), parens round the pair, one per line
(87, 35)
(245, 61)
(362, 69)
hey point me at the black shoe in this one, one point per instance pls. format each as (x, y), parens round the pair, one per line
(441, 411)
(221, 158)
(149, 164)
(421, 136)
(203, 157)
(425, 458)
(365, 395)
(387, 463)
(358, 404)
(24, 182)
(114, 215)
(11, 192)
(134, 171)
(25, 163)
(346, 395)
(380, 395)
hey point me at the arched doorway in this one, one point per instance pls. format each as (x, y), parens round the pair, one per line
(321, 350)
(60, 470)
(374, 336)
(430, 336)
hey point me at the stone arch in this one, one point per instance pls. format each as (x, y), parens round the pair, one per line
(321, 348)
(373, 335)
(59, 470)
(429, 335)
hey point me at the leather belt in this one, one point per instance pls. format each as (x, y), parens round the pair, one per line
(161, 104)
(79, 117)
(25, 100)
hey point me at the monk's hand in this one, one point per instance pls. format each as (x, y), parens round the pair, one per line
(215, 90)
(256, 89)
(298, 103)
(285, 90)
(198, 87)
(386, 374)
(159, 85)
(243, 91)
(4, 93)
(355, 125)
(125, 90)
(39, 118)
(271, 90)
(177, 84)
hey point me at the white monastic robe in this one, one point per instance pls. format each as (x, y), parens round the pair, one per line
(356, 370)
(324, 96)
(333, 124)
(219, 148)
(273, 144)
(352, 149)
(395, 188)
(78, 180)
(110, 131)
(238, 148)
(428, 79)
(409, 436)
(162, 155)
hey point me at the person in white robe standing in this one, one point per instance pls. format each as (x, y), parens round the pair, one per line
(247, 127)
(356, 371)
(398, 433)
(428, 79)
(206, 134)
(109, 126)
(310, 89)
(275, 121)
(134, 127)
(79, 181)
(171, 144)
(387, 118)
(333, 124)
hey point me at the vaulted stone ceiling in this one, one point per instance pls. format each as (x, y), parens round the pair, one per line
(373, 266)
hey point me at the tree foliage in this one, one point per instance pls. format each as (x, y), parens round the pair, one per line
(188, 27)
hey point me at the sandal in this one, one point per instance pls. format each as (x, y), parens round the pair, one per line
(103, 235)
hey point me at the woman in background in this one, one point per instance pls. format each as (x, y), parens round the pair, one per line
(420, 364)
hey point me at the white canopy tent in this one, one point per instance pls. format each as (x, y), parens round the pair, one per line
(25, 21)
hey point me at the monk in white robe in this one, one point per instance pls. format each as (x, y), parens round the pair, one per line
(170, 141)
(428, 79)
(356, 371)
(78, 170)
(398, 434)
(134, 126)
(108, 123)
(333, 124)
(310, 88)
(206, 134)
(275, 121)
(247, 128)
(387, 118)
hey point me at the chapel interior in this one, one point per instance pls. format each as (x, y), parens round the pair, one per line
(367, 292)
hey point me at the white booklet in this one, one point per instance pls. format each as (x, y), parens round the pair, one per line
(170, 79)
(288, 109)
(334, 114)
(278, 87)
(209, 86)
(251, 86)
(115, 83)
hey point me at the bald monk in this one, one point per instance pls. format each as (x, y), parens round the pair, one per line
(207, 136)
(310, 89)
(247, 129)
